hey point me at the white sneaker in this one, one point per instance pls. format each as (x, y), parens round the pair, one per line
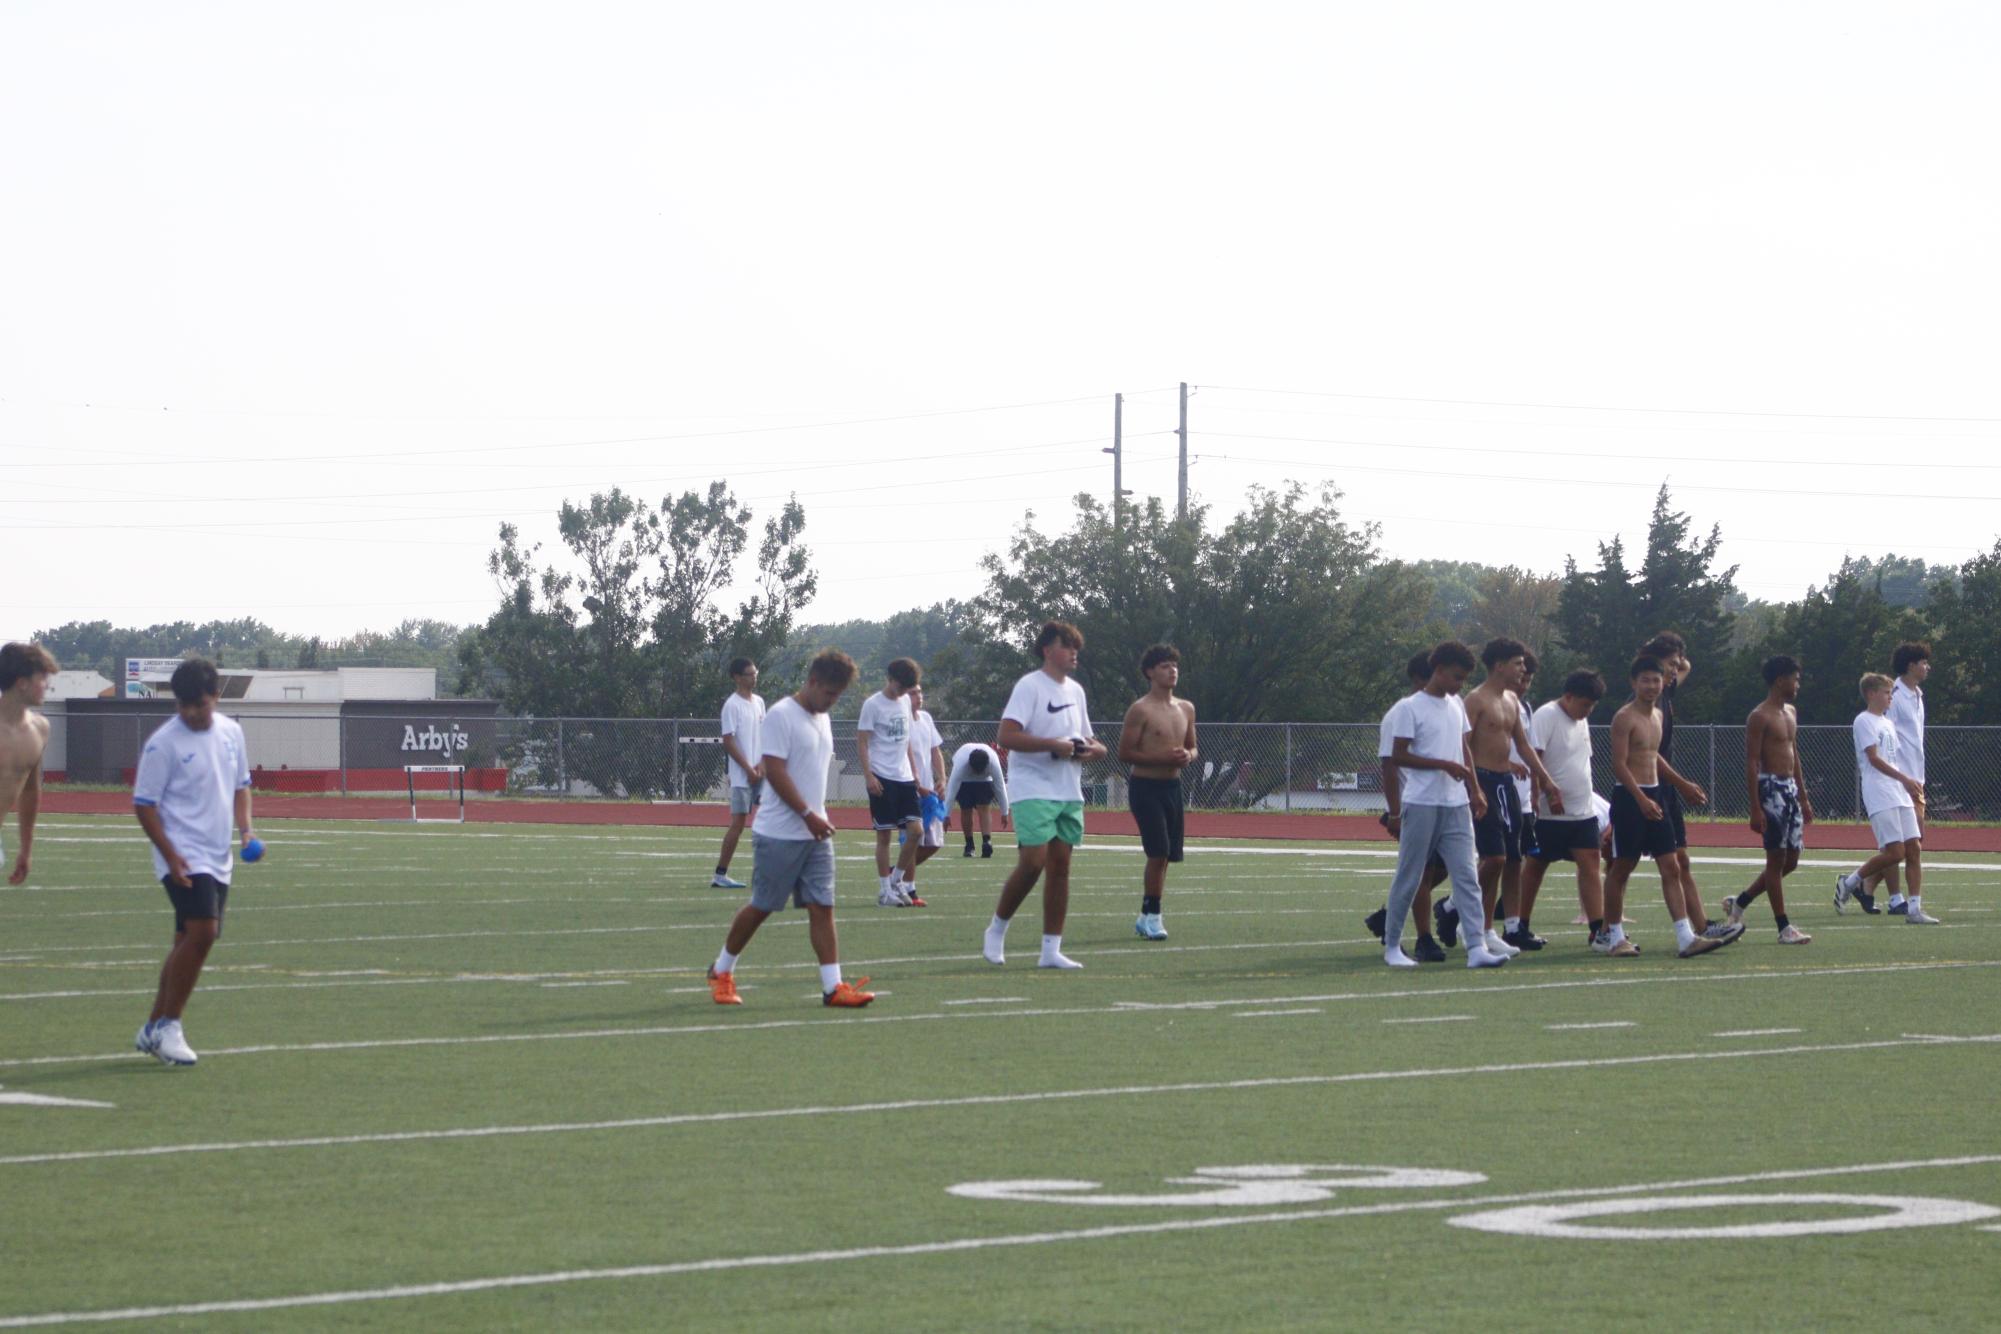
(1792, 935)
(1396, 958)
(993, 946)
(1918, 916)
(1495, 945)
(146, 1043)
(1057, 959)
(892, 897)
(1479, 957)
(1732, 912)
(170, 1045)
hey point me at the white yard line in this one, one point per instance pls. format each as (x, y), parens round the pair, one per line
(1610, 1023)
(1757, 1032)
(987, 1000)
(1116, 1008)
(958, 1245)
(1272, 1014)
(1434, 1019)
(977, 1100)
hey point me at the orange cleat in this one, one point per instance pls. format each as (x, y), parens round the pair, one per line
(849, 995)
(915, 902)
(723, 987)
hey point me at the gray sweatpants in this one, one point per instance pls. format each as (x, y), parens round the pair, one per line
(1446, 831)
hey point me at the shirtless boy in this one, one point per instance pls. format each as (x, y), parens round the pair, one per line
(1495, 712)
(1639, 811)
(1780, 807)
(25, 670)
(1158, 740)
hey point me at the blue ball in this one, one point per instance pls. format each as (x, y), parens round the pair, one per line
(253, 850)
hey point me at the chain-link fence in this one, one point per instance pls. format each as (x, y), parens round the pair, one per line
(1298, 767)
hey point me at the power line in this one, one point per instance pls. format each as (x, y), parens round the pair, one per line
(1595, 456)
(1602, 407)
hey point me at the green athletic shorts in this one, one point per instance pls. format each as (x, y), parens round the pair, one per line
(1037, 821)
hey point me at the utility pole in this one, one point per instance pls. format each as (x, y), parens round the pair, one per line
(1117, 451)
(1181, 493)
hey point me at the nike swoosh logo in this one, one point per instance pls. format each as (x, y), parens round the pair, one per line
(1056, 708)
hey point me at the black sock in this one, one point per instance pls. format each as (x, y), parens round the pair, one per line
(1783, 920)
(1749, 897)
(1525, 924)
(986, 840)
(1149, 903)
(969, 839)
(1424, 938)
(722, 868)
(1597, 927)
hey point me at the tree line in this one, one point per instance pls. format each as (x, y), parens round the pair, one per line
(1283, 611)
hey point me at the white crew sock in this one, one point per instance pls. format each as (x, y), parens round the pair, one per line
(725, 962)
(1897, 898)
(997, 929)
(1915, 903)
(1513, 925)
(1684, 934)
(830, 976)
(1615, 933)
(1051, 946)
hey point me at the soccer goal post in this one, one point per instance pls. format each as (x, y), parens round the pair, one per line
(442, 779)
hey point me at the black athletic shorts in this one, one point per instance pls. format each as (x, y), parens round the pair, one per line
(1634, 836)
(1156, 808)
(1498, 833)
(1528, 825)
(896, 805)
(976, 793)
(1676, 822)
(205, 896)
(1560, 840)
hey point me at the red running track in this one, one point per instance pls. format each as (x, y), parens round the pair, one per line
(1201, 824)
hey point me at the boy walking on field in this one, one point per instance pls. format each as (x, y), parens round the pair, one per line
(25, 670)
(743, 715)
(194, 775)
(1046, 727)
(1892, 798)
(1158, 740)
(1780, 807)
(792, 852)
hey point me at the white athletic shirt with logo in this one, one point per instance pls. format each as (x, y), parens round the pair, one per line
(925, 738)
(1437, 727)
(805, 741)
(1907, 715)
(1879, 791)
(192, 778)
(887, 721)
(1565, 743)
(962, 773)
(1054, 710)
(742, 718)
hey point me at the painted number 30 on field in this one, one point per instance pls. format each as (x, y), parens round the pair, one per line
(1264, 1185)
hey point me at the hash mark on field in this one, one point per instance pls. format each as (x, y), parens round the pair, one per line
(1432, 1019)
(1755, 1032)
(1268, 1014)
(585, 984)
(1609, 1023)
(987, 1000)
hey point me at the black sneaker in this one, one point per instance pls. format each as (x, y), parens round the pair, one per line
(1868, 902)
(1524, 940)
(1427, 951)
(1899, 909)
(1377, 921)
(969, 850)
(1446, 917)
(986, 849)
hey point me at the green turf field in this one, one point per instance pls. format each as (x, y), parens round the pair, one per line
(471, 1078)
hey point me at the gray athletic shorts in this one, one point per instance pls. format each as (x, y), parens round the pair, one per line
(742, 799)
(795, 870)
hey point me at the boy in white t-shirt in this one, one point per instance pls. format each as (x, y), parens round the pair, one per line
(1911, 664)
(743, 714)
(791, 841)
(977, 785)
(1417, 671)
(928, 758)
(1434, 804)
(1560, 732)
(889, 767)
(194, 776)
(1892, 798)
(1046, 730)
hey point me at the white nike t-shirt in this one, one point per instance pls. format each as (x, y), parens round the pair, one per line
(742, 717)
(1054, 710)
(887, 721)
(1436, 726)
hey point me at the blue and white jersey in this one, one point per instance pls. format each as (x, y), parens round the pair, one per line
(193, 777)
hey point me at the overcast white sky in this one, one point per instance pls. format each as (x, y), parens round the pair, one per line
(298, 302)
